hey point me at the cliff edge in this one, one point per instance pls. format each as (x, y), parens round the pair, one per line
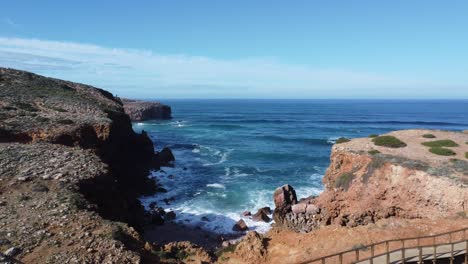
(139, 110)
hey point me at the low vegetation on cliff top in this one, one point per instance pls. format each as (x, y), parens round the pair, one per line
(428, 136)
(373, 151)
(342, 140)
(442, 151)
(440, 143)
(388, 141)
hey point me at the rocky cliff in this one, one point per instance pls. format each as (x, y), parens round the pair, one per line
(69, 163)
(367, 181)
(145, 110)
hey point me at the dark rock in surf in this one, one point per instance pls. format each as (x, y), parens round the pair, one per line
(240, 226)
(164, 157)
(171, 215)
(261, 216)
(266, 210)
(246, 213)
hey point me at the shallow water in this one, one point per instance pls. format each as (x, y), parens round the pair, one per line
(232, 154)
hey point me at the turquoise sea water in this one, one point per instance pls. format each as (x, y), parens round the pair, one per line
(232, 154)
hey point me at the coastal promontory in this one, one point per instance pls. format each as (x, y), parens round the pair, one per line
(139, 110)
(402, 184)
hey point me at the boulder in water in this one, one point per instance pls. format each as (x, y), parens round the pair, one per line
(240, 226)
(164, 157)
(261, 216)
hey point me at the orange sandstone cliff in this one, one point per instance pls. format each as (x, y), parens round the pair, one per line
(373, 191)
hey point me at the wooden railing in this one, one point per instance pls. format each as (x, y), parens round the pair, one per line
(386, 248)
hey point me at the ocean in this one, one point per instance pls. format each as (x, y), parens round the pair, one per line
(232, 154)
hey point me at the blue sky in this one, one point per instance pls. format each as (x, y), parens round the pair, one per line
(244, 49)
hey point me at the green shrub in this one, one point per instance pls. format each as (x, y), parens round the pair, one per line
(389, 141)
(466, 155)
(428, 136)
(440, 143)
(344, 180)
(442, 151)
(229, 249)
(373, 135)
(342, 140)
(359, 247)
(373, 151)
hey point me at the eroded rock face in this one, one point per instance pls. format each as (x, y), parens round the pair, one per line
(252, 248)
(284, 197)
(139, 110)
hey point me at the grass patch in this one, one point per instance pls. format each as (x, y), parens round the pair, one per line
(342, 140)
(42, 119)
(39, 187)
(344, 180)
(26, 107)
(359, 247)
(58, 109)
(65, 122)
(440, 143)
(461, 214)
(466, 155)
(389, 141)
(442, 151)
(428, 136)
(373, 151)
(77, 201)
(373, 135)
(228, 249)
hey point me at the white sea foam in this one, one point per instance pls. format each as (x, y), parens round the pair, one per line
(303, 192)
(224, 157)
(332, 140)
(140, 124)
(196, 150)
(216, 185)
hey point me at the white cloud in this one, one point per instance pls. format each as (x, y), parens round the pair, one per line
(139, 73)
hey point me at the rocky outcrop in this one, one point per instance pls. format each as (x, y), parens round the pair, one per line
(83, 166)
(145, 110)
(252, 248)
(240, 226)
(363, 186)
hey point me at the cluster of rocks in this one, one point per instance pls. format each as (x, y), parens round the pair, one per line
(139, 110)
(262, 215)
(158, 216)
(301, 216)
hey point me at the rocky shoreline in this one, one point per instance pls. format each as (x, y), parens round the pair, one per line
(71, 172)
